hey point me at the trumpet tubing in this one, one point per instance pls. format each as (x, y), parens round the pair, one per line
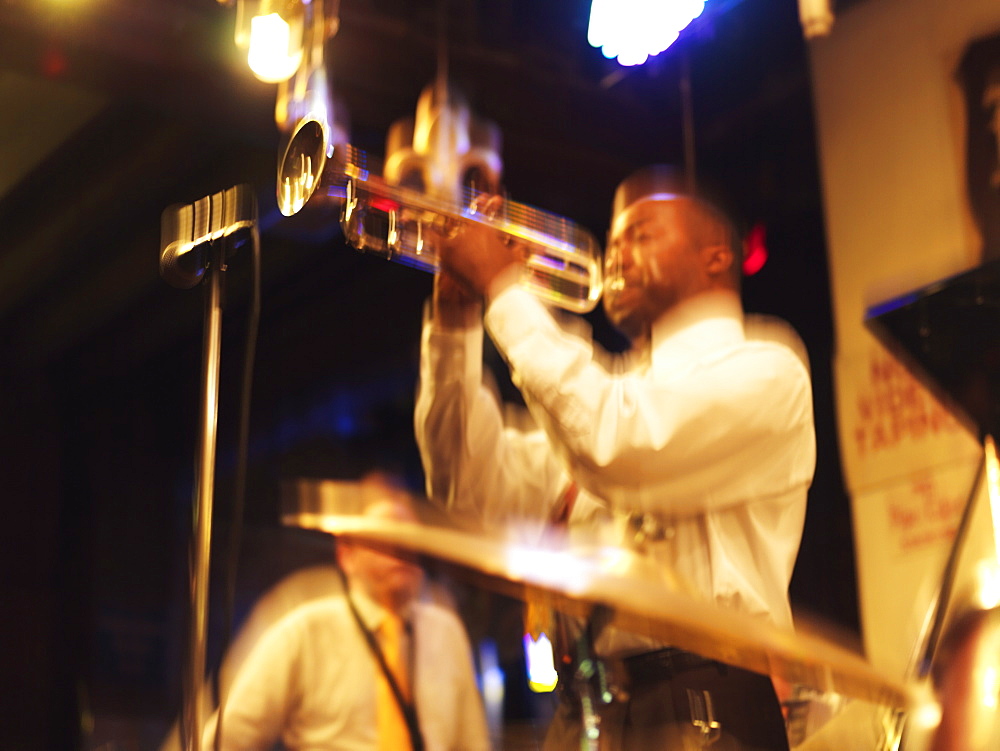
(562, 260)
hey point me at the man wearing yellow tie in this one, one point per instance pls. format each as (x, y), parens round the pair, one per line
(373, 669)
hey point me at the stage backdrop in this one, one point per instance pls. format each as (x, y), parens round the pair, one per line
(892, 83)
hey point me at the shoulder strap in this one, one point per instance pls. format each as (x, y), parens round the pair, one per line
(408, 708)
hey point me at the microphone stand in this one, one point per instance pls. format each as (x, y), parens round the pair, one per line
(204, 496)
(195, 242)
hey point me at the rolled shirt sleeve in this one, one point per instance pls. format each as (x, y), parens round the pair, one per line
(474, 459)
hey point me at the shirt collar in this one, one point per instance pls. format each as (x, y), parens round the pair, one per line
(372, 614)
(696, 328)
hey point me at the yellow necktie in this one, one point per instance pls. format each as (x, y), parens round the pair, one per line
(392, 731)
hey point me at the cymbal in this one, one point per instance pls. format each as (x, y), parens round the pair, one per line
(633, 595)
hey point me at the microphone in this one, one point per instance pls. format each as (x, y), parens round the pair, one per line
(187, 229)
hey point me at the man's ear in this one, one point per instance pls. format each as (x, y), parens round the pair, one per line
(718, 259)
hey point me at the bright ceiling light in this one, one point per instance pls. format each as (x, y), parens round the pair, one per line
(272, 56)
(272, 33)
(635, 30)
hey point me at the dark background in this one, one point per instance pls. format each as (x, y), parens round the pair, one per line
(100, 359)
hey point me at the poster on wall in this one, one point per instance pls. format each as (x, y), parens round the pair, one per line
(907, 531)
(891, 425)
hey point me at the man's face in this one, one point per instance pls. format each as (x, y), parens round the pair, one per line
(651, 264)
(393, 582)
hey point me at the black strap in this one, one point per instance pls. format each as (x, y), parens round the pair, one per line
(408, 709)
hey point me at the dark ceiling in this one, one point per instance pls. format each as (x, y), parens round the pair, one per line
(113, 110)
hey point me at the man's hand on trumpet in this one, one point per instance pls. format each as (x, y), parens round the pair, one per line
(478, 256)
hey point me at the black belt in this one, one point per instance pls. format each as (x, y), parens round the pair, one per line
(664, 664)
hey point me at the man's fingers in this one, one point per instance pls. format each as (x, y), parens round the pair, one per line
(488, 205)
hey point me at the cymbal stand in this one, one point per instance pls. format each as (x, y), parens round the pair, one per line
(590, 680)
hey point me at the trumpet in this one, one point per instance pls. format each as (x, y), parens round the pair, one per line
(562, 263)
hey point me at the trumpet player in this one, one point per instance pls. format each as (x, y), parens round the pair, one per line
(696, 447)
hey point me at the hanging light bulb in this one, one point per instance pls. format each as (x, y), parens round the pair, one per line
(816, 17)
(272, 33)
(635, 30)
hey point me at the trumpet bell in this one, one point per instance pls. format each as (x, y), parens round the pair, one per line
(303, 176)
(562, 260)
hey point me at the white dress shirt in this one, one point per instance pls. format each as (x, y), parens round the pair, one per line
(310, 683)
(708, 442)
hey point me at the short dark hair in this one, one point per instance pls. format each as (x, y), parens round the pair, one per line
(710, 214)
(666, 181)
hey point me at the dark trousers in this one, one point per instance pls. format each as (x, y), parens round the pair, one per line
(703, 705)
